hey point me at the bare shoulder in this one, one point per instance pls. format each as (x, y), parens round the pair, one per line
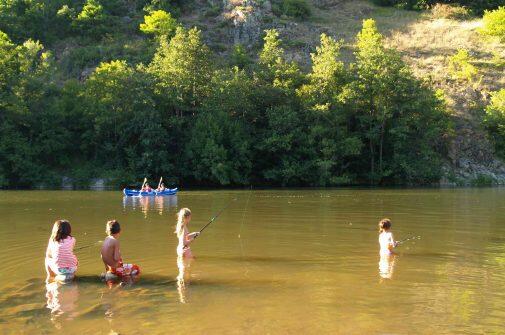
(111, 241)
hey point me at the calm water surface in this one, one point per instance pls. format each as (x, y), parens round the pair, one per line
(275, 262)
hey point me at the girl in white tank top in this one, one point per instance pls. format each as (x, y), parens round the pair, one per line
(386, 240)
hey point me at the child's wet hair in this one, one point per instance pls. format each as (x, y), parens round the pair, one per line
(112, 227)
(61, 230)
(384, 225)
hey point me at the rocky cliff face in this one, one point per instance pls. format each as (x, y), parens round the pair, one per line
(246, 17)
(471, 158)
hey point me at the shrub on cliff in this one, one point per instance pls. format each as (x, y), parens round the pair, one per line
(460, 66)
(294, 8)
(494, 23)
(297, 8)
(494, 121)
(477, 6)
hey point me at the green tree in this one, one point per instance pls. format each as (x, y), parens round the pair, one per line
(239, 57)
(279, 124)
(274, 68)
(92, 18)
(159, 23)
(183, 69)
(32, 136)
(494, 121)
(218, 151)
(384, 95)
(327, 116)
(283, 154)
(34, 19)
(128, 131)
(232, 91)
(377, 73)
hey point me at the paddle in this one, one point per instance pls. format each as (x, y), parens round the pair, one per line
(140, 191)
(215, 217)
(408, 239)
(145, 181)
(159, 185)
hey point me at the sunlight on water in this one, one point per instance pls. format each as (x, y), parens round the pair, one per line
(276, 262)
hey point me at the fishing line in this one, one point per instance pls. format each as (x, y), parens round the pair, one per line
(88, 246)
(243, 213)
(216, 216)
(411, 238)
(246, 272)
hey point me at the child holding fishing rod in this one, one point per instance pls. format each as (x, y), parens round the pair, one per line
(386, 240)
(183, 234)
(387, 244)
(61, 262)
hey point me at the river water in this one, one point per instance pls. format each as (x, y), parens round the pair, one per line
(275, 262)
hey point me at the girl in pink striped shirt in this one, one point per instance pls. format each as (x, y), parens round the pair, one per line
(61, 262)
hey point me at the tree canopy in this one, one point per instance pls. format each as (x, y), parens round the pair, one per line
(181, 114)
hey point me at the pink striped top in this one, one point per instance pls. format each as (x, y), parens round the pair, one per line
(62, 253)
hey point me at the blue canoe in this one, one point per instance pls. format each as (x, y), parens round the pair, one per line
(137, 193)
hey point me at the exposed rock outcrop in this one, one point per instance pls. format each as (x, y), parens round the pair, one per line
(246, 17)
(472, 159)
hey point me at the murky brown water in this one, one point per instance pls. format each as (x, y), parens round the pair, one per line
(275, 262)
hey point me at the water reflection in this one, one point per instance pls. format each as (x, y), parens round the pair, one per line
(154, 203)
(61, 301)
(386, 266)
(183, 264)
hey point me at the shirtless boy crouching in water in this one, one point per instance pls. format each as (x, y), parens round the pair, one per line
(111, 255)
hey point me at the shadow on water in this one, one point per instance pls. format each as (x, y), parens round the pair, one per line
(33, 286)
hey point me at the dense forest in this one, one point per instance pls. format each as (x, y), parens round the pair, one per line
(165, 104)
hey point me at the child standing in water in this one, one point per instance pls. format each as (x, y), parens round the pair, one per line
(61, 262)
(386, 241)
(111, 255)
(387, 244)
(185, 238)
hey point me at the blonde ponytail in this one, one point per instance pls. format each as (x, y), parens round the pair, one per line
(183, 213)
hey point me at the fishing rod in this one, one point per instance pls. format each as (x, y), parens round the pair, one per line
(411, 238)
(215, 217)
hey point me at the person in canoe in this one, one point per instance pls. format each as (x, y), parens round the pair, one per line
(185, 237)
(147, 188)
(60, 262)
(161, 188)
(111, 255)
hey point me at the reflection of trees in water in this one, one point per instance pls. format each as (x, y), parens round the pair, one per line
(149, 204)
(61, 301)
(183, 264)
